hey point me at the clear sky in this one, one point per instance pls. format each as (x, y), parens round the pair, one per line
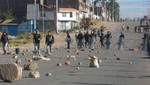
(133, 8)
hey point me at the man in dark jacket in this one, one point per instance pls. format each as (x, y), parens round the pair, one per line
(36, 41)
(4, 40)
(80, 40)
(49, 41)
(86, 38)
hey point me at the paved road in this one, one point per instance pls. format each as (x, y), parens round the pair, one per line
(111, 71)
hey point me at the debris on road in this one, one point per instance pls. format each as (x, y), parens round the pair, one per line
(94, 62)
(32, 66)
(10, 72)
(34, 74)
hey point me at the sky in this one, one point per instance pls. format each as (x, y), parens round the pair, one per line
(133, 8)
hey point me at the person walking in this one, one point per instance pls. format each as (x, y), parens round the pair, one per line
(68, 40)
(36, 40)
(108, 37)
(80, 40)
(86, 39)
(5, 41)
(48, 42)
(91, 40)
(121, 41)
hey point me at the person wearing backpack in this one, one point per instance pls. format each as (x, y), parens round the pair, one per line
(49, 41)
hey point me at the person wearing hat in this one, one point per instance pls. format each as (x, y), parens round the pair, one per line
(36, 40)
(5, 41)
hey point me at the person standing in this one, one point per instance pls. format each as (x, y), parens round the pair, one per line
(135, 29)
(108, 37)
(121, 41)
(68, 40)
(80, 40)
(5, 41)
(36, 41)
(128, 28)
(86, 38)
(122, 28)
(144, 40)
(48, 42)
(101, 35)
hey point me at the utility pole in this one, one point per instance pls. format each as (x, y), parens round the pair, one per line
(93, 7)
(35, 19)
(43, 14)
(57, 16)
(113, 10)
(148, 8)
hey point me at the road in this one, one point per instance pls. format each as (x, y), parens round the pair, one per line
(111, 71)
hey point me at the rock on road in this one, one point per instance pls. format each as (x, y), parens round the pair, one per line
(133, 68)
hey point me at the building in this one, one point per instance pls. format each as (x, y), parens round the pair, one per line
(9, 27)
(68, 18)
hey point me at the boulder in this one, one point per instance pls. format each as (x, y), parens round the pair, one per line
(10, 72)
(18, 61)
(94, 62)
(67, 62)
(32, 66)
(34, 74)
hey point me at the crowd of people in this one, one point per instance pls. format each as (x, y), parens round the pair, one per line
(86, 39)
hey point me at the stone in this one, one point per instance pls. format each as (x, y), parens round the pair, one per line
(79, 63)
(130, 63)
(82, 49)
(18, 61)
(99, 61)
(15, 56)
(34, 74)
(77, 68)
(32, 66)
(10, 72)
(106, 58)
(48, 74)
(117, 58)
(94, 62)
(23, 53)
(67, 62)
(115, 55)
(59, 64)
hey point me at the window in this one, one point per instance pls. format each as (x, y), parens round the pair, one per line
(70, 14)
(41, 14)
(63, 14)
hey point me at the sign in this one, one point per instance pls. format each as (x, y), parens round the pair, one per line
(33, 11)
